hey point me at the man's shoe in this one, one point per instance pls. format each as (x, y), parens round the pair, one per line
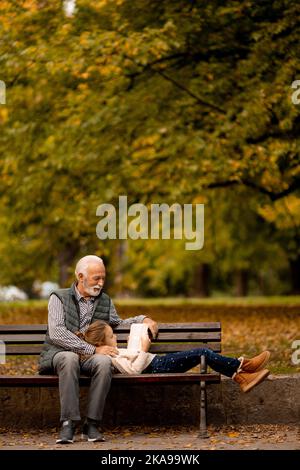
(257, 363)
(91, 433)
(248, 380)
(66, 435)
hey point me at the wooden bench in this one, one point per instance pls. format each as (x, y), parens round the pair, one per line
(172, 337)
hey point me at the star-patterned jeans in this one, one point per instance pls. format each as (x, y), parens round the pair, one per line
(184, 360)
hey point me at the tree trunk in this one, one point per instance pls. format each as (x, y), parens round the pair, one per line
(295, 275)
(241, 286)
(201, 280)
(66, 259)
(120, 258)
(29, 290)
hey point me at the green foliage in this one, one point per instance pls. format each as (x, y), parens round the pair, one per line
(157, 101)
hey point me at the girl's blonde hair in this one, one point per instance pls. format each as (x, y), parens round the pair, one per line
(95, 334)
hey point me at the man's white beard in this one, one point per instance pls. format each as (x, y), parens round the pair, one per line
(93, 291)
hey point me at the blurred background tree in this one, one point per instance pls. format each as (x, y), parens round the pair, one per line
(164, 102)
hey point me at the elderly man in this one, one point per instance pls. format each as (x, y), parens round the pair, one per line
(69, 311)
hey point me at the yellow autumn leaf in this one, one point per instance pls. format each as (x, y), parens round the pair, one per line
(3, 114)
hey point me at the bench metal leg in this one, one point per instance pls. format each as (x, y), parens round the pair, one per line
(203, 401)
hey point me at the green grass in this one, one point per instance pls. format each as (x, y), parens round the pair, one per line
(172, 301)
(275, 300)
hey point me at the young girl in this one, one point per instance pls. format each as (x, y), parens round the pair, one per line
(246, 372)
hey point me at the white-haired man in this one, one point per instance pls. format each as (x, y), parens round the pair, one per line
(69, 311)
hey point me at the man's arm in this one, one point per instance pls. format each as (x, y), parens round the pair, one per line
(58, 332)
(115, 320)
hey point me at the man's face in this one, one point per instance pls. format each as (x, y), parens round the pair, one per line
(93, 282)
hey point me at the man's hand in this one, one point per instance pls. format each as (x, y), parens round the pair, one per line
(153, 326)
(107, 350)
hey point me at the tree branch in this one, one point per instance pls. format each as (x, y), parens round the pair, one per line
(189, 92)
(170, 79)
(272, 195)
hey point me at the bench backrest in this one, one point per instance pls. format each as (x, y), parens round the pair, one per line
(172, 337)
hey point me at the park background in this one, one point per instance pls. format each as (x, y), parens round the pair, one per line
(165, 102)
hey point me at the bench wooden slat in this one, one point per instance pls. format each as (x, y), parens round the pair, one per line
(23, 350)
(42, 328)
(185, 377)
(30, 350)
(36, 328)
(50, 380)
(23, 338)
(168, 337)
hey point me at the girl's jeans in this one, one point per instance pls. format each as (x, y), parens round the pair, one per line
(184, 360)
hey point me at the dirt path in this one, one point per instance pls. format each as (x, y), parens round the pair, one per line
(238, 437)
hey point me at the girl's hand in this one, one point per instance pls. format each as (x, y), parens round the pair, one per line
(146, 343)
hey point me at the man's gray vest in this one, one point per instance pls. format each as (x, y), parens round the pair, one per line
(72, 318)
